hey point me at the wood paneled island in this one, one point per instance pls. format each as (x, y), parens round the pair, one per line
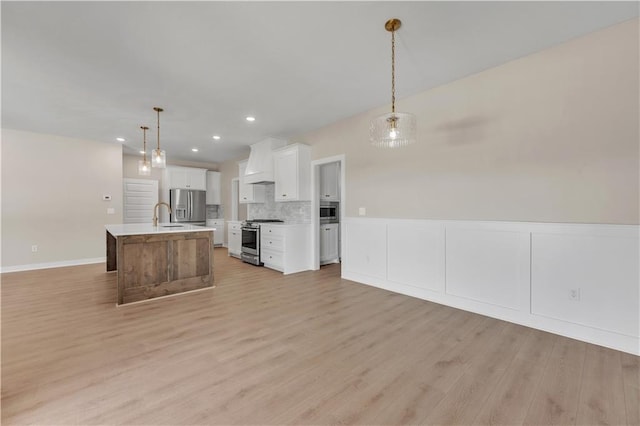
(154, 261)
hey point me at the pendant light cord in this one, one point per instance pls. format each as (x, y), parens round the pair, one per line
(158, 111)
(393, 71)
(144, 143)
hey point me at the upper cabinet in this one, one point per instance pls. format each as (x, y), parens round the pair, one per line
(330, 182)
(213, 188)
(292, 169)
(186, 178)
(248, 193)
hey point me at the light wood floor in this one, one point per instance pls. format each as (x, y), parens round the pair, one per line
(308, 348)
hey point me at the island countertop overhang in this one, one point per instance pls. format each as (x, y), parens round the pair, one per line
(122, 229)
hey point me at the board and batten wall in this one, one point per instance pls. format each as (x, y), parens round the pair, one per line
(52, 188)
(577, 280)
(521, 198)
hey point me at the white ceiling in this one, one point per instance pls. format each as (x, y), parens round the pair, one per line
(95, 70)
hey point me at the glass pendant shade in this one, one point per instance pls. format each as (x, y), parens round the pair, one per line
(158, 159)
(144, 167)
(393, 130)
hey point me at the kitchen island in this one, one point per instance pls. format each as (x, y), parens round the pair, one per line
(154, 261)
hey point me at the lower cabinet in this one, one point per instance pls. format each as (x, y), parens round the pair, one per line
(234, 237)
(329, 243)
(285, 248)
(218, 235)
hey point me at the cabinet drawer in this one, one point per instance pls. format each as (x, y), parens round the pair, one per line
(235, 226)
(272, 258)
(271, 231)
(271, 243)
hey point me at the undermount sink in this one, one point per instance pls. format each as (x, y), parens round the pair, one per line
(171, 226)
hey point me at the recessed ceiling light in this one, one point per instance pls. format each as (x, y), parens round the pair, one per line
(216, 137)
(120, 139)
(141, 152)
(250, 118)
(194, 149)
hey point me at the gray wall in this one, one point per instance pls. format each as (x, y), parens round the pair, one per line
(52, 190)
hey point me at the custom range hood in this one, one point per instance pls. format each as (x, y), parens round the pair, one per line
(260, 164)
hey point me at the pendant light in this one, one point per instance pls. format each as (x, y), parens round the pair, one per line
(144, 166)
(158, 156)
(395, 129)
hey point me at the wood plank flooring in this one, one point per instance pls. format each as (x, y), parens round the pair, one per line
(309, 348)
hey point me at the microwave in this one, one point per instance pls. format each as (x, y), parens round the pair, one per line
(329, 212)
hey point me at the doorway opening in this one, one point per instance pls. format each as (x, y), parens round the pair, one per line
(238, 211)
(327, 210)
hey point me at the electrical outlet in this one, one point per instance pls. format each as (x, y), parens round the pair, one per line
(362, 211)
(574, 294)
(34, 248)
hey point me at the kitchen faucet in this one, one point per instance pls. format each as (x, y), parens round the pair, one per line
(155, 212)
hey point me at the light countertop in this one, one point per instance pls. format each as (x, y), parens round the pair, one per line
(147, 228)
(285, 224)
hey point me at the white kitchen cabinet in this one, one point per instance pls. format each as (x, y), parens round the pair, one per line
(330, 182)
(329, 243)
(186, 178)
(218, 234)
(292, 173)
(234, 237)
(285, 248)
(213, 188)
(248, 193)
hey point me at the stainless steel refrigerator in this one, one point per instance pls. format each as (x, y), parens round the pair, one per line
(188, 206)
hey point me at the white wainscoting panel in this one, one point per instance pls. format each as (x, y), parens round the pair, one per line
(601, 270)
(490, 266)
(515, 271)
(366, 248)
(416, 254)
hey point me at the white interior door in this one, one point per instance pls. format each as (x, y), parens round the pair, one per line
(140, 196)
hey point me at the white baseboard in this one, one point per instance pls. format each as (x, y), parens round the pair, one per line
(34, 266)
(629, 344)
(518, 272)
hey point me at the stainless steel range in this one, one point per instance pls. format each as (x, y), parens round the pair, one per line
(250, 249)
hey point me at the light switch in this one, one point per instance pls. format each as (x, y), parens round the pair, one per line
(362, 211)
(111, 210)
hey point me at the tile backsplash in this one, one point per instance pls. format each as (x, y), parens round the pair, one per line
(214, 211)
(289, 211)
